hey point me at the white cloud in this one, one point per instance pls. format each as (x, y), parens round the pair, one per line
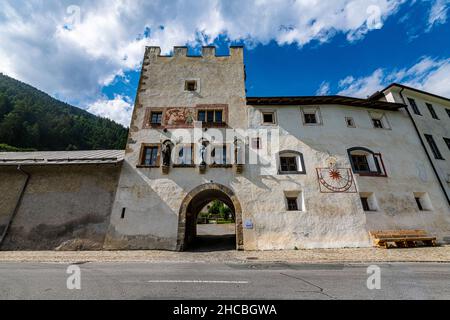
(324, 89)
(432, 75)
(119, 109)
(71, 51)
(438, 13)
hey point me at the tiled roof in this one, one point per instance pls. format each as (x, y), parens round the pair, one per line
(323, 100)
(61, 157)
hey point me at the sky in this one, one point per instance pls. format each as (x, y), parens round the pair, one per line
(88, 53)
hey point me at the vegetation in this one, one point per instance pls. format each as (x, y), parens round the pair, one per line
(7, 148)
(31, 119)
(217, 211)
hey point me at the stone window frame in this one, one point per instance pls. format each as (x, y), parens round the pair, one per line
(147, 118)
(213, 107)
(141, 164)
(311, 110)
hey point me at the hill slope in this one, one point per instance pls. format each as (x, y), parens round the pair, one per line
(30, 118)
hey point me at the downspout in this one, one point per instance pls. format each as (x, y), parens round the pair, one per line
(19, 202)
(424, 147)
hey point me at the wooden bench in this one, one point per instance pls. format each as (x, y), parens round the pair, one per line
(401, 238)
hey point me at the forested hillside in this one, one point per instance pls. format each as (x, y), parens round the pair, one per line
(31, 119)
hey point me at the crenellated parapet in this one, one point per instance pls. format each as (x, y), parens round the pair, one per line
(208, 52)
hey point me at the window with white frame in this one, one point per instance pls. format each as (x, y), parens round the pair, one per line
(291, 162)
(268, 117)
(366, 162)
(311, 116)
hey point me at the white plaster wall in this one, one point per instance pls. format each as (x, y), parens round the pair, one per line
(426, 124)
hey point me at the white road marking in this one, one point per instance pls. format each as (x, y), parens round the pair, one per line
(198, 281)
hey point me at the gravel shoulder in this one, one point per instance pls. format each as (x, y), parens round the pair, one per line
(352, 255)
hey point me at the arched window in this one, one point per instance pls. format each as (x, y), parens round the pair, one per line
(291, 162)
(366, 162)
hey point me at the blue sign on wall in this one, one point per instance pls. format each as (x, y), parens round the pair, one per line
(248, 224)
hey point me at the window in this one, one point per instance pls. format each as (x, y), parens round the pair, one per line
(448, 112)
(414, 106)
(122, 215)
(292, 204)
(366, 162)
(288, 164)
(433, 147)
(423, 201)
(368, 201)
(365, 203)
(432, 111)
(210, 116)
(311, 116)
(156, 118)
(219, 154)
(150, 156)
(379, 120)
(256, 143)
(447, 141)
(268, 117)
(360, 163)
(377, 123)
(350, 122)
(419, 204)
(291, 162)
(184, 155)
(190, 85)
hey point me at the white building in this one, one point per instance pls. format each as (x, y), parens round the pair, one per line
(297, 172)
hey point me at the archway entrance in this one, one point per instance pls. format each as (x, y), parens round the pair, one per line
(193, 204)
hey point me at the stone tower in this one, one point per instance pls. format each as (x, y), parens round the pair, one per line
(183, 103)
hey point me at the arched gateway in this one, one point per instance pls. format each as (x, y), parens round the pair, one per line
(195, 201)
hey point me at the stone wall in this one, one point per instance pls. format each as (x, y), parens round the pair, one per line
(63, 207)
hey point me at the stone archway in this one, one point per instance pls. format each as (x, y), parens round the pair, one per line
(197, 199)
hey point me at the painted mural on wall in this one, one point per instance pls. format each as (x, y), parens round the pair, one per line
(179, 117)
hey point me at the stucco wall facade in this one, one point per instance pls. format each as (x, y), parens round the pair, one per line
(64, 207)
(426, 124)
(146, 210)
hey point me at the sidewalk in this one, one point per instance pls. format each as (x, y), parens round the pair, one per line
(357, 255)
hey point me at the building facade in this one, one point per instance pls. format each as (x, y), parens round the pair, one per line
(297, 172)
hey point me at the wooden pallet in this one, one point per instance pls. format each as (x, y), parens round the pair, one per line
(402, 238)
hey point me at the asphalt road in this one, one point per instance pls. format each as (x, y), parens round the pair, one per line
(250, 280)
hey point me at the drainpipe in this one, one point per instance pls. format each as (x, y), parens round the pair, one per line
(424, 147)
(19, 201)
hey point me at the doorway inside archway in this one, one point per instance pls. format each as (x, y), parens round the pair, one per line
(216, 228)
(210, 220)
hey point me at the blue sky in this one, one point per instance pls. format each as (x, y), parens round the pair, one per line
(89, 55)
